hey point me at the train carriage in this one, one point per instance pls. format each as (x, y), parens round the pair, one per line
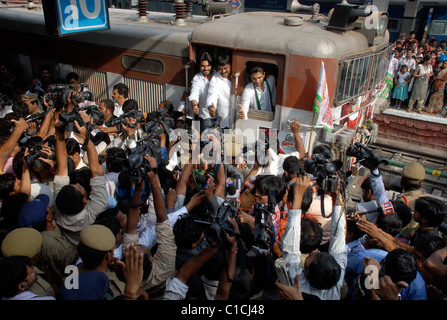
(156, 59)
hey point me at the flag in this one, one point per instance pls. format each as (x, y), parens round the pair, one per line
(322, 106)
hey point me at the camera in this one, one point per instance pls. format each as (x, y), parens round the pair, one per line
(263, 238)
(324, 171)
(63, 91)
(365, 156)
(36, 117)
(149, 145)
(220, 226)
(36, 152)
(67, 119)
(122, 119)
(159, 117)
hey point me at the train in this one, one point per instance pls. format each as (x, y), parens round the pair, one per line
(157, 59)
(430, 19)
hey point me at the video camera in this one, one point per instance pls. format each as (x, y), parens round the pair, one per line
(36, 152)
(365, 156)
(122, 120)
(324, 171)
(219, 225)
(263, 219)
(157, 118)
(67, 119)
(62, 91)
(135, 161)
(36, 118)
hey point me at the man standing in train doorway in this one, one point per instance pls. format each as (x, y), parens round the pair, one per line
(199, 88)
(219, 91)
(259, 94)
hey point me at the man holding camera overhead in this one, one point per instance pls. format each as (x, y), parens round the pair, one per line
(74, 210)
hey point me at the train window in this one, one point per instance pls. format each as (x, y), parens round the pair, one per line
(361, 74)
(353, 77)
(438, 27)
(260, 106)
(141, 64)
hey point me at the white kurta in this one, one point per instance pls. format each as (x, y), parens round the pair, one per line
(266, 97)
(219, 93)
(199, 93)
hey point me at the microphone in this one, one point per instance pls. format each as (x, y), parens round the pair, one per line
(249, 184)
(385, 209)
(231, 190)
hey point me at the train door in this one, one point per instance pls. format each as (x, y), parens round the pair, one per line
(274, 66)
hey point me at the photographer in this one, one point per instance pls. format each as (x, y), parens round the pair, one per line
(74, 99)
(73, 209)
(132, 131)
(163, 262)
(323, 272)
(321, 199)
(177, 287)
(107, 107)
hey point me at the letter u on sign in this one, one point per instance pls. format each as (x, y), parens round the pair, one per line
(77, 16)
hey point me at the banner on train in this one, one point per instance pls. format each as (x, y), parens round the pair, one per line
(68, 17)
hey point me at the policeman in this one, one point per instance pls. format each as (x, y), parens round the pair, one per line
(98, 240)
(28, 242)
(412, 175)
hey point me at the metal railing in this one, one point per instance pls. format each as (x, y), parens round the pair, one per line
(361, 74)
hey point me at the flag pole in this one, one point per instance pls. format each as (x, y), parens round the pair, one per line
(311, 132)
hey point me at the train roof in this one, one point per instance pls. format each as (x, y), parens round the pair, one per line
(260, 31)
(267, 32)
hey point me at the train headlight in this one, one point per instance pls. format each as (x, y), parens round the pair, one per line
(382, 25)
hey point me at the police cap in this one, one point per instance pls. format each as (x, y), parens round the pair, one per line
(22, 242)
(97, 237)
(413, 172)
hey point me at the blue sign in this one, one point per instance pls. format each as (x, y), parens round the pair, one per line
(77, 16)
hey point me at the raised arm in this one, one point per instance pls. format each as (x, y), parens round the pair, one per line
(61, 149)
(92, 154)
(159, 201)
(299, 145)
(228, 274)
(292, 235)
(8, 146)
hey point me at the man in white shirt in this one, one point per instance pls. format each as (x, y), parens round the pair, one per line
(408, 60)
(219, 91)
(199, 87)
(120, 94)
(323, 272)
(259, 94)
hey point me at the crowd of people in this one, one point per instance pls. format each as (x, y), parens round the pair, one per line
(101, 203)
(420, 75)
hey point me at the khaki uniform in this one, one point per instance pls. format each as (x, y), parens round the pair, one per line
(415, 173)
(42, 287)
(116, 286)
(57, 254)
(409, 198)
